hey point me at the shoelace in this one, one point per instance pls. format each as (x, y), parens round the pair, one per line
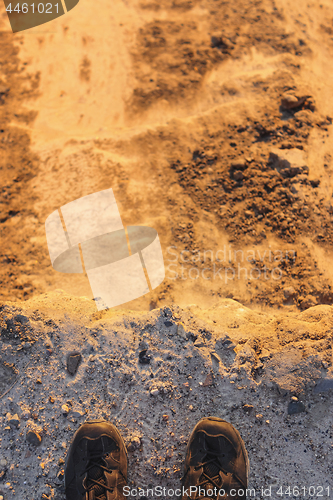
(211, 474)
(102, 488)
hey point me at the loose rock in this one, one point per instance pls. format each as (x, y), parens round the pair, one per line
(289, 162)
(289, 292)
(33, 437)
(77, 414)
(295, 407)
(134, 444)
(208, 381)
(248, 408)
(144, 358)
(324, 385)
(291, 101)
(181, 331)
(220, 42)
(65, 409)
(73, 361)
(14, 421)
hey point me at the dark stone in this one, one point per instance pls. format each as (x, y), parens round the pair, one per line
(73, 361)
(324, 385)
(220, 42)
(144, 358)
(34, 438)
(21, 319)
(168, 323)
(247, 408)
(295, 407)
(238, 175)
(314, 182)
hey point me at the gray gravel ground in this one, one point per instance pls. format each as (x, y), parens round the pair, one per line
(251, 375)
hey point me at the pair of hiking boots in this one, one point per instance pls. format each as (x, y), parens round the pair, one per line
(216, 463)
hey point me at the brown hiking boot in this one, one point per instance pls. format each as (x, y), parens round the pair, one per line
(96, 463)
(216, 464)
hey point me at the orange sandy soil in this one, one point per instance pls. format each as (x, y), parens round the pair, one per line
(177, 109)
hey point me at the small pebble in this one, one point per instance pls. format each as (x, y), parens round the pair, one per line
(248, 408)
(14, 421)
(208, 381)
(289, 101)
(181, 330)
(134, 444)
(73, 361)
(238, 176)
(77, 414)
(65, 409)
(144, 358)
(215, 357)
(33, 437)
(154, 392)
(295, 407)
(289, 292)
